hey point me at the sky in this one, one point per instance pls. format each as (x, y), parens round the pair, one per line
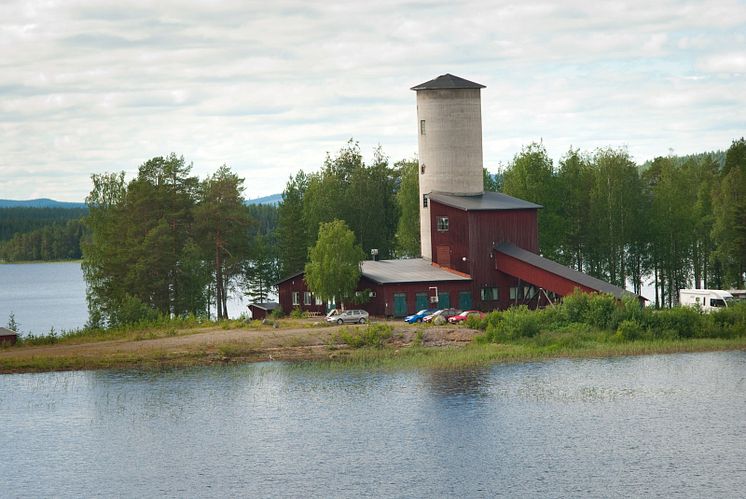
(269, 88)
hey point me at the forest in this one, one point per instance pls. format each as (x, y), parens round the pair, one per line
(28, 234)
(167, 242)
(673, 222)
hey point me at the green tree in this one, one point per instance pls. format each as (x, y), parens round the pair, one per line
(615, 196)
(492, 181)
(729, 208)
(221, 224)
(574, 180)
(407, 197)
(260, 271)
(292, 232)
(333, 270)
(530, 176)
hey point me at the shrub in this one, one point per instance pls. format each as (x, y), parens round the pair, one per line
(685, 321)
(518, 322)
(276, 314)
(630, 330)
(372, 335)
(296, 313)
(474, 322)
(601, 311)
(575, 306)
(731, 321)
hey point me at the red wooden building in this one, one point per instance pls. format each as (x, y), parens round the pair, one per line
(481, 249)
(486, 257)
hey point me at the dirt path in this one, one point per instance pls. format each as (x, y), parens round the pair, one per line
(214, 344)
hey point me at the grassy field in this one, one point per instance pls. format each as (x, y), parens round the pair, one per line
(311, 344)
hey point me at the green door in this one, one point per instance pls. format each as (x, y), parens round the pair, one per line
(400, 304)
(421, 301)
(444, 300)
(464, 300)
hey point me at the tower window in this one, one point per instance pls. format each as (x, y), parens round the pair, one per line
(424, 200)
(422, 127)
(442, 224)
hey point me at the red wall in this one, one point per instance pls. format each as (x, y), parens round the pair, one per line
(473, 234)
(537, 276)
(285, 296)
(457, 236)
(383, 303)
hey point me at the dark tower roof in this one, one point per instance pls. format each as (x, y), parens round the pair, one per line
(447, 81)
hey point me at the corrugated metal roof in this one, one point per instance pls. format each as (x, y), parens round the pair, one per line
(407, 270)
(486, 201)
(562, 271)
(447, 81)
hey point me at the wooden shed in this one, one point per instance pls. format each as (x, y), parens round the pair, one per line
(7, 336)
(260, 311)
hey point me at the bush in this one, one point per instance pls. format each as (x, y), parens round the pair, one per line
(474, 322)
(276, 314)
(372, 335)
(731, 321)
(131, 310)
(602, 308)
(575, 306)
(630, 330)
(518, 322)
(685, 321)
(296, 313)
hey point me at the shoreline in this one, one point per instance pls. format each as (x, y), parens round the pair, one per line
(309, 343)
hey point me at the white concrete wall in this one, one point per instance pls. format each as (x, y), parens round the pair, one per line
(450, 149)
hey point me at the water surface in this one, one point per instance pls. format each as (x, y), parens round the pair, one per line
(43, 296)
(669, 425)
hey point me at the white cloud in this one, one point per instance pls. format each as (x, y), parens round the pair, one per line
(92, 86)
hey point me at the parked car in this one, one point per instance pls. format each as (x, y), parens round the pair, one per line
(349, 316)
(411, 319)
(446, 313)
(457, 319)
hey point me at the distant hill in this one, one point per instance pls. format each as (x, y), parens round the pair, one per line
(273, 199)
(38, 203)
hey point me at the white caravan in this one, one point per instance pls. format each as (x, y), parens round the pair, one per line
(706, 299)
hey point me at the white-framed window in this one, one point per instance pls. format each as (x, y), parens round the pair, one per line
(422, 127)
(489, 293)
(317, 300)
(307, 298)
(296, 297)
(442, 224)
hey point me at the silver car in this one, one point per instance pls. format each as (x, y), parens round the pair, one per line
(349, 316)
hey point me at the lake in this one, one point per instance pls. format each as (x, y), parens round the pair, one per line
(46, 295)
(664, 425)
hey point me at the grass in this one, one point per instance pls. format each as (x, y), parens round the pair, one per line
(476, 354)
(583, 326)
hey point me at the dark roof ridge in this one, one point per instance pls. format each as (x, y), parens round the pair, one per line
(447, 81)
(482, 202)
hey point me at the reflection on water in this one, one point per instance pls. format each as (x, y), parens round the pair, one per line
(601, 427)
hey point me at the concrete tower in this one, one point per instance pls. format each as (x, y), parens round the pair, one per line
(449, 118)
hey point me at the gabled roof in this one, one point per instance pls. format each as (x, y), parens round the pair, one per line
(447, 81)
(4, 331)
(270, 305)
(407, 270)
(485, 201)
(562, 271)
